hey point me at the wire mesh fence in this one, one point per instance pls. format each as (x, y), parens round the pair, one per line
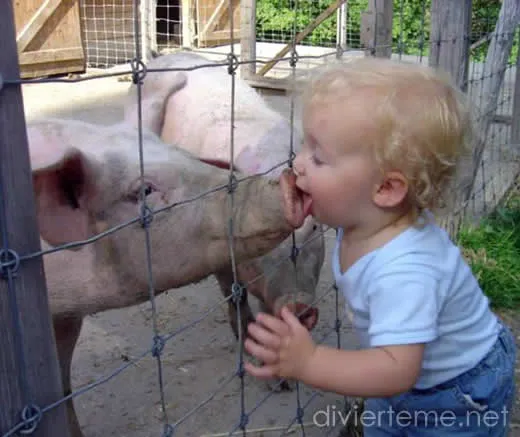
(481, 52)
(30, 417)
(340, 38)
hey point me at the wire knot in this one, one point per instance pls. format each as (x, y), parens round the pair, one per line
(233, 63)
(337, 325)
(295, 251)
(9, 262)
(294, 58)
(138, 71)
(158, 345)
(244, 420)
(31, 416)
(299, 414)
(167, 431)
(146, 216)
(240, 371)
(232, 186)
(238, 292)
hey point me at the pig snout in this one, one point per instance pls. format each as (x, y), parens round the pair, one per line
(295, 211)
(296, 303)
(307, 314)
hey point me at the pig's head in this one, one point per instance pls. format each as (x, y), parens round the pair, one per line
(278, 279)
(296, 278)
(267, 150)
(87, 179)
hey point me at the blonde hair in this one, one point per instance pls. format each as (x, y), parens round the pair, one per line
(422, 123)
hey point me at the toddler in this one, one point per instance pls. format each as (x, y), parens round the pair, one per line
(381, 144)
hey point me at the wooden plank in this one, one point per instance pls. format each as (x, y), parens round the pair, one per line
(492, 78)
(449, 44)
(35, 336)
(187, 23)
(204, 10)
(209, 31)
(495, 66)
(214, 18)
(376, 28)
(35, 24)
(31, 71)
(51, 55)
(61, 30)
(221, 31)
(449, 51)
(301, 35)
(248, 38)
(221, 36)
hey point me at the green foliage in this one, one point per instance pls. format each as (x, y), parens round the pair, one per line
(410, 32)
(492, 249)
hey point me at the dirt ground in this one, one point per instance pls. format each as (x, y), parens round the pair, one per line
(197, 361)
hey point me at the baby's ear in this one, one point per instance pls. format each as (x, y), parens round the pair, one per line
(391, 191)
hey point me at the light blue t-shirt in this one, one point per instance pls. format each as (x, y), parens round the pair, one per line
(418, 288)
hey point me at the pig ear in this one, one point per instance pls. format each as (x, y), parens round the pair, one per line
(154, 104)
(63, 185)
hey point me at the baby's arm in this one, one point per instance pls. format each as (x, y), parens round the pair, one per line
(375, 372)
(403, 311)
(403, 304)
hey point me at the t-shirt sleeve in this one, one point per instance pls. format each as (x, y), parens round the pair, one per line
(403, 307)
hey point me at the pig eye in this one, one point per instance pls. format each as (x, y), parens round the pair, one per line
(148, 189)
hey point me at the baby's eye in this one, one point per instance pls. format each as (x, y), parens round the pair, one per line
(316, 160)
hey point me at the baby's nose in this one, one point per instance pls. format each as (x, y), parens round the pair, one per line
(298, 165)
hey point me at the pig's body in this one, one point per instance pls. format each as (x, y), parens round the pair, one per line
(87, 180)
(198, 119)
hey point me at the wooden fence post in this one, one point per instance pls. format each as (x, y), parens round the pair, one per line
(449, 51)
(248, 38)
(376, 28)
(19, 235)
(450, 38)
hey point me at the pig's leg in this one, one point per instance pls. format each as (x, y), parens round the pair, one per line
(67, 332)
(225, 281)
(250, 274)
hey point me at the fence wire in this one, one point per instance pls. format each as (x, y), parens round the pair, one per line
(32, 414)
(10, 261)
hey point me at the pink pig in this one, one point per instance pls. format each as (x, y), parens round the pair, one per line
(198, 119)
(87, 180)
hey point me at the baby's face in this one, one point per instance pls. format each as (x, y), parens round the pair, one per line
(336, 167)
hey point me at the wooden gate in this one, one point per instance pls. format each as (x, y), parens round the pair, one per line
(48, 35)
(213, 21)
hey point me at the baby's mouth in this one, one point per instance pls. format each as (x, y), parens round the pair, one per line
(307, 202)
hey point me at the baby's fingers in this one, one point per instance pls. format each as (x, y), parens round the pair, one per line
(263, 336)
(264, 372)
(274, 324)
(261, 352)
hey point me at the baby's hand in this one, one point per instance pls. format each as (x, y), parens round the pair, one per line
(284, 346)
